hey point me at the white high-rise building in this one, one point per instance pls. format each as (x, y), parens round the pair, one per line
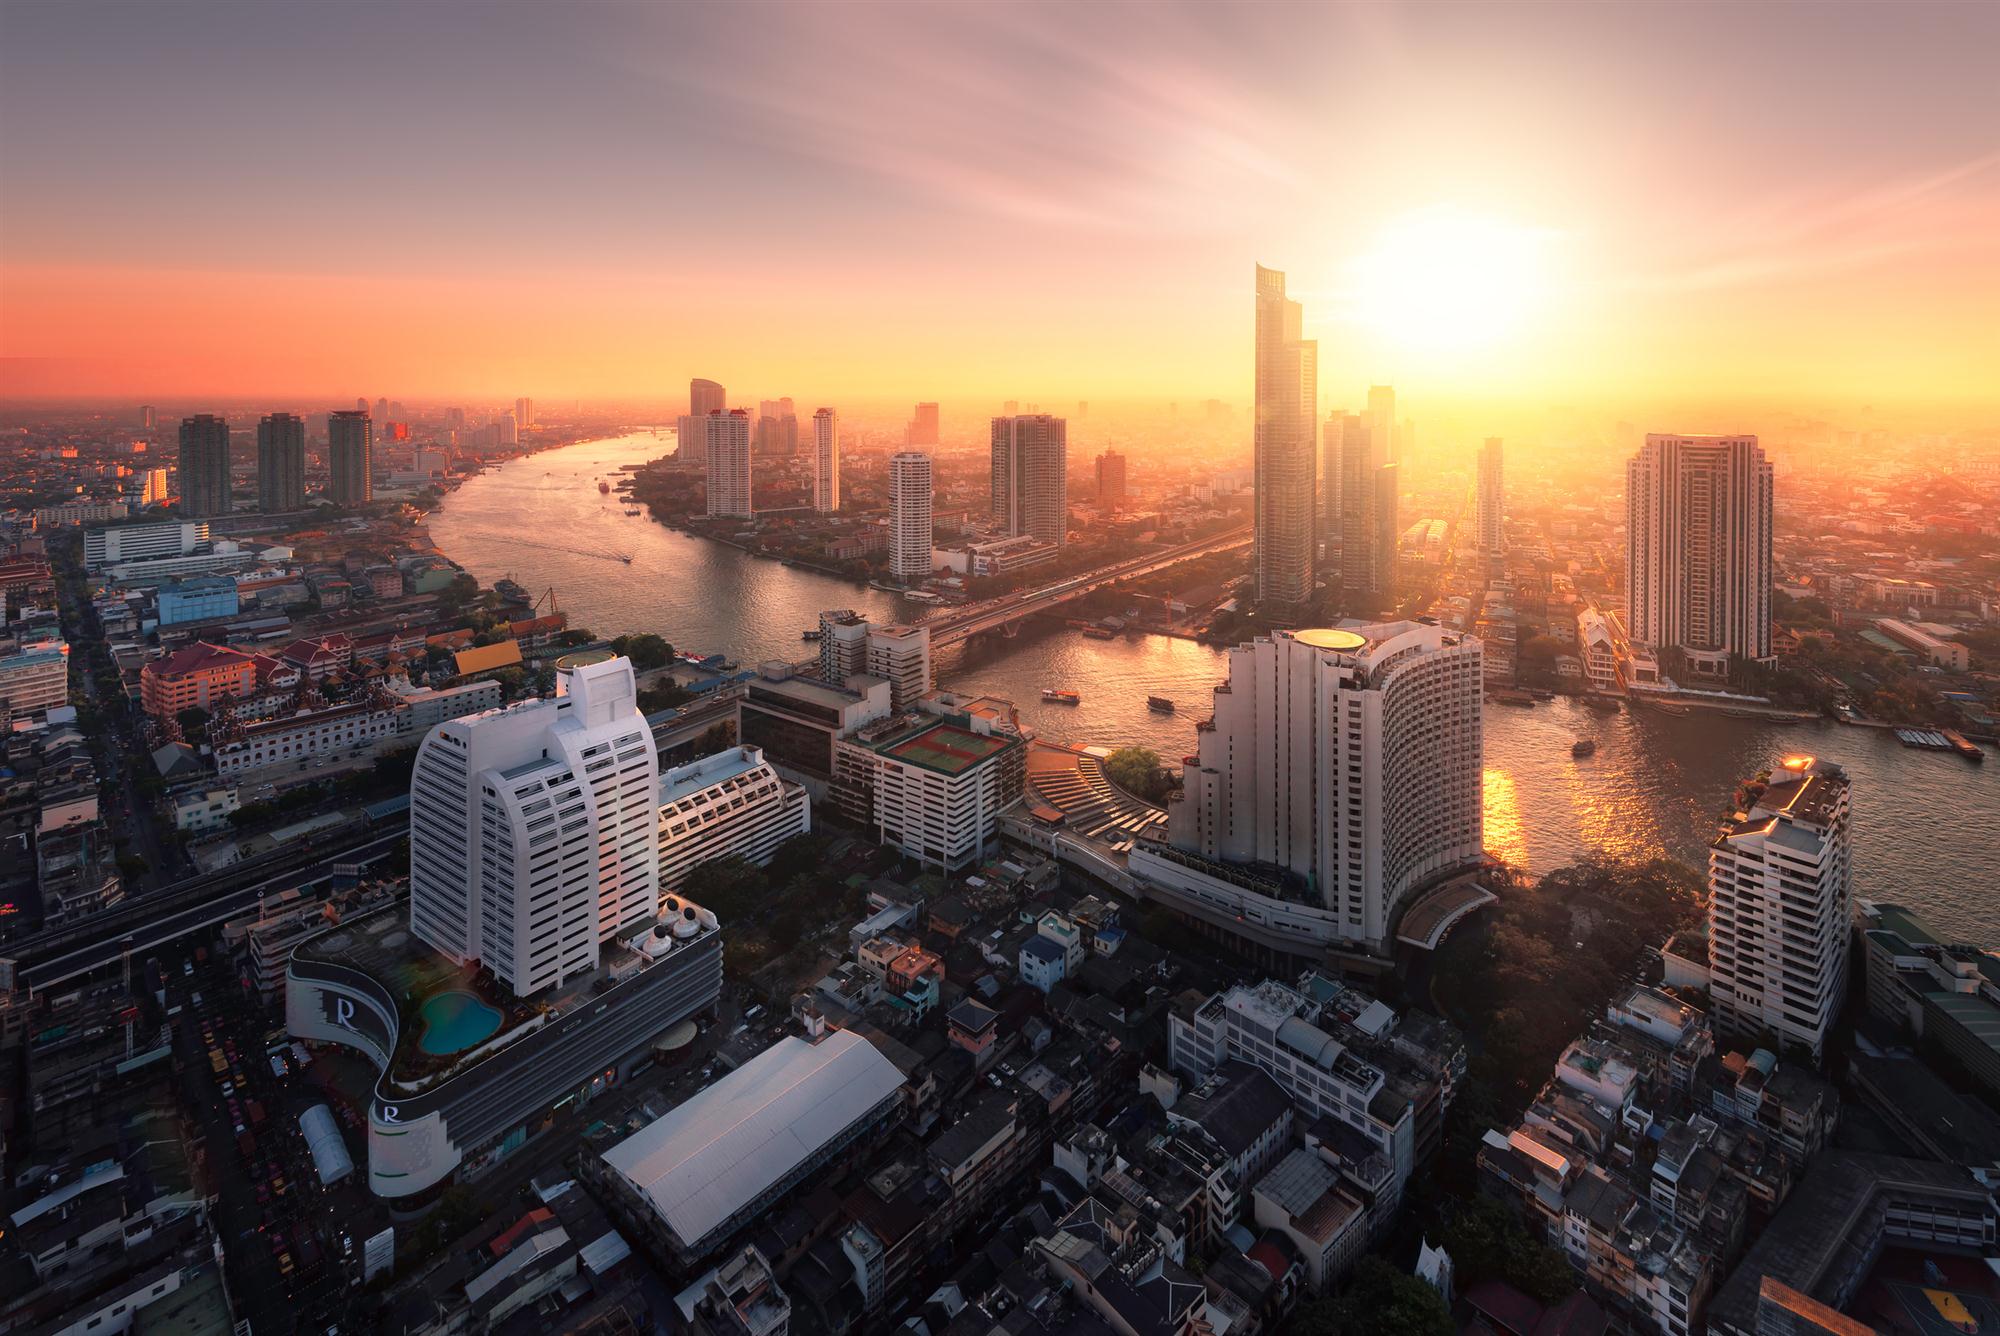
(705, 397)
(1698, 548)
(524, 413)
(910, 530)
(731, 804)
(1779, 902)
(1030, 475)
(826, 461)
(1287, 420)
(1347, 760)
(534, 829)
(1489, 501)
(902, 656)
(728, 436)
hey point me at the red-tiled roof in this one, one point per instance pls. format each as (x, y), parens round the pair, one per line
(197, 657)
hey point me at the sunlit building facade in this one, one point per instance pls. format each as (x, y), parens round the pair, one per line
(910, 518)
(1030, 476)
(826, 461)
(1286, 445)
(1344, 767)
(1698, 547)
(729, 478)
(1779, 904)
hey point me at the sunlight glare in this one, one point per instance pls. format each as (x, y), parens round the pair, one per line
(1442, 281)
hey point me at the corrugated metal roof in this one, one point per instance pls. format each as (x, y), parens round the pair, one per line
(499, 654)
(715, 1153)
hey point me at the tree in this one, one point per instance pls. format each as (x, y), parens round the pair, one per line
(717, 738)
(646, 651)
(1383, 1301)
(194, 723)
(732, 888)
(1137, 770)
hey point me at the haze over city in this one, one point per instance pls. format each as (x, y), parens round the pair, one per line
(1687, 205)
(734, 668)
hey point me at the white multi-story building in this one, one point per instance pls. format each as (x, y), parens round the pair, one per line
(1030, 476)
(1350, 761)
(1779, 903)
(90, 512)
(534, 829)
(826, 461)
(1287, 416)
(934, 789)
(142, 542)
(728, 436)
(1269, 1026)
(910, 525)
(731, 803)
(901, 655)
(34, 680)
(1597, 646)
(299, 739)
(1490, 501)
(1698, 547)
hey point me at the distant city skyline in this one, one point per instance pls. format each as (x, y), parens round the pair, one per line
(1472, 201)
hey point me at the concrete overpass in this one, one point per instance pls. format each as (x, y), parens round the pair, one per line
(964, 623)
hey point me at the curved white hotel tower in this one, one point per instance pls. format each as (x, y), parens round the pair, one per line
(534, 829)
(1340, 775)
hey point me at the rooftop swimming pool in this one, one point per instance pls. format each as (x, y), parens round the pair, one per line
(454, 1022)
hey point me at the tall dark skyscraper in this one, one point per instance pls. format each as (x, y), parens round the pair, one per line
(281, 463)
(350, 458)
(1031, 476)
(1287, 413)
(204, 465)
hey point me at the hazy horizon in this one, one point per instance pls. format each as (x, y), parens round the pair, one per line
(1612, 207)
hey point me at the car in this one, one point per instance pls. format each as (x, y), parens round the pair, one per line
(187, 969)
(228, 1087)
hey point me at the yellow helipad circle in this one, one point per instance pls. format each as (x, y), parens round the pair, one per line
(1329, 638)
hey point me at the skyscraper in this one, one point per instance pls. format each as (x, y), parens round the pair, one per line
(1349, 758)
(1368, 528)
(705, 397)
(924, 426)
(147, 417)
(826, 461)
(1331, 437)
(902, 656)
(1779, 901)
(350, 458)
(204, 465)
(524, 413)
(382, 409)
(1382, 422)
(1489, 501)
(1698, 548)
(152, 487)
(1110, 480)
(910, 531)
(281, 463)
(729, 463)
(1031, 476)
(506, 431)
(534, 829)
(1287, 410)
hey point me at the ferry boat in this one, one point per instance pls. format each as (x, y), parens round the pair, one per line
(1600, 705)
(1965, 746)
(1583, 747)
(509, 589)
(813, 634)
(1059, 697)
(1159, 705)
(1514, 696)
(1099, 633)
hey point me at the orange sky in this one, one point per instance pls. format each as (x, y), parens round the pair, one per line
(858, 203)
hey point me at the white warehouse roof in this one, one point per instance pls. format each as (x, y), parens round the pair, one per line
(715, 1153)
(329, 1152)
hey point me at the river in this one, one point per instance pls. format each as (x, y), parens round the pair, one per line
(1926, 824)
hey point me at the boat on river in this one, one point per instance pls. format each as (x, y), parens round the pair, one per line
(1514, 696)
(1583, 747)
(1056, 696)
(1600, 705)
(1159, 705)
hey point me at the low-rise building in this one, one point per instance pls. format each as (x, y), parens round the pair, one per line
(933, 787)
(203, 810)
(200, 676)
(34, 680)
(1303, 1200)
(197, 598)
(731, 804)
(305, 736)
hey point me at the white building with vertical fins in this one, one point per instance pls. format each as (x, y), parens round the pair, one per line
(910, 529)
(534, 829)
(729, 804)
(1698, 547)
(1340, 776)
(1779, 903)
(728, 437)
(826, 461)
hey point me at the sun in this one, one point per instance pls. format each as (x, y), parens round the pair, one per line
(1441, 281)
